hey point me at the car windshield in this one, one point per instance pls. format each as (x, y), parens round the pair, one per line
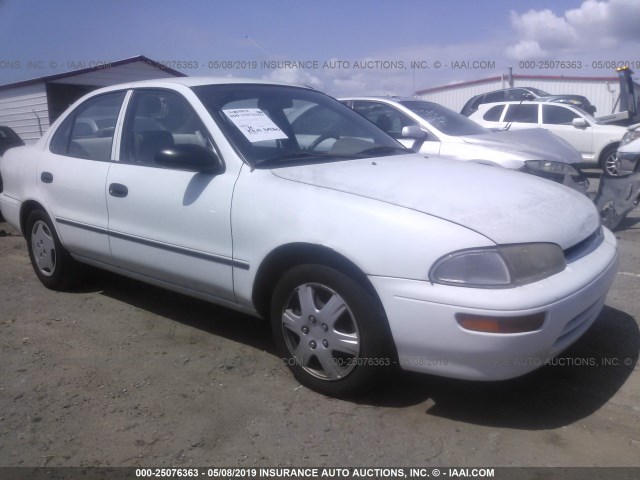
(273, 125)
(443, 119)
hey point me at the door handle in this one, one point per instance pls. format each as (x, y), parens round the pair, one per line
(46, 177)
(118, 190)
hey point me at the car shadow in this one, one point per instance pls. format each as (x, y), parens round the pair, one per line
(627, 223)
(573, 386)
(204, 316)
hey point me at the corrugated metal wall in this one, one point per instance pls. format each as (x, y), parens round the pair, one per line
(455, 98)
(20, 108)
(602, 94)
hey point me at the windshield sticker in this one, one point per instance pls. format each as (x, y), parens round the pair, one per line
(254, 124)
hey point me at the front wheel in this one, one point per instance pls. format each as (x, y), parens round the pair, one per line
(53, 265)
(609, 161)
(331, 331)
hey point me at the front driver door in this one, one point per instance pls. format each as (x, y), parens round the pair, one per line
(169, 224)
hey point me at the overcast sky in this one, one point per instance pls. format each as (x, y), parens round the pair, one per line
(399, 46)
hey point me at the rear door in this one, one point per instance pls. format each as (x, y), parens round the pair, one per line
(521, 115)
(73, 172)
(169, 224)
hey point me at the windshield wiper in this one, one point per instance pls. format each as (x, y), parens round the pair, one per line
(383, 150)
(289, 157)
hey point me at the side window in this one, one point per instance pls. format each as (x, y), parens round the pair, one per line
(88, 131)
(517, 94)
(555, 115)
(385, 117)
(494, 97)
(156, 120)
(522, 113)
(494, 113)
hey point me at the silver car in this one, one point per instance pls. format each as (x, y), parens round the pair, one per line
(449, 134)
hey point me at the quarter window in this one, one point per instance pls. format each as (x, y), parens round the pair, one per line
(88, 131)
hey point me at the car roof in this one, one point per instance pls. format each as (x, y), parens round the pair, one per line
(387, 99)
(189, 82)
(526, 102)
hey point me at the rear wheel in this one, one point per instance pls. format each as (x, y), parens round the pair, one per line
(331, 331)
(53, 265)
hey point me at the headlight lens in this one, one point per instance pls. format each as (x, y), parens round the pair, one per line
(503, 266)
(551, 167)
(630, 136)
(558, 172)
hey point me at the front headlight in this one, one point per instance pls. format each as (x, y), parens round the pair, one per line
(548, 166)
(630, 136)
(558, 172)
(503, 266)
(627, 163)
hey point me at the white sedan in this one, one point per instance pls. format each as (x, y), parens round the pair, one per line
(362, 254)
(597, 142)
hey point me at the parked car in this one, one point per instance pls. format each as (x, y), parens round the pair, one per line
(596, 142)
(8, 139)
(526, 93)
(453, 135)
(362, 254)
(619, 195)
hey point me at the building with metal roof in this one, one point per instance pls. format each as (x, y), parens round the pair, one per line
(30, 106)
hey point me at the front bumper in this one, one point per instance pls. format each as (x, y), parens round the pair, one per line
(428, 338)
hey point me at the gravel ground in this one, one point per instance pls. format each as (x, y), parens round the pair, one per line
(123, 374)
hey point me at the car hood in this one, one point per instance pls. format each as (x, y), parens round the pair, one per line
(530, 143)
(503, 205)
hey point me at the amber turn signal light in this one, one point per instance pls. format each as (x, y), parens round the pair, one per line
(516, 324)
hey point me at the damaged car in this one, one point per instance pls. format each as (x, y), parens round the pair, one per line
(620, 194)
(363, 255)
(597, 142)
(434, 130)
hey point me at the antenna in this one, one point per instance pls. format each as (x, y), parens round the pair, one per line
(255, 44)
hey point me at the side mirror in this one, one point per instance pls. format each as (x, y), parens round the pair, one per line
(416, 133)
(579, 123)
(190, 157)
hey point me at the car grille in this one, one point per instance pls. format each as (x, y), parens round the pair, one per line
(584, 247)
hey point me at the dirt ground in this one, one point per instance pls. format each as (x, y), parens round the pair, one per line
(123, 374)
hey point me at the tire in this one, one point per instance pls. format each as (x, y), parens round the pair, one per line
(54, 266)
(609, 161)
(332, 332)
